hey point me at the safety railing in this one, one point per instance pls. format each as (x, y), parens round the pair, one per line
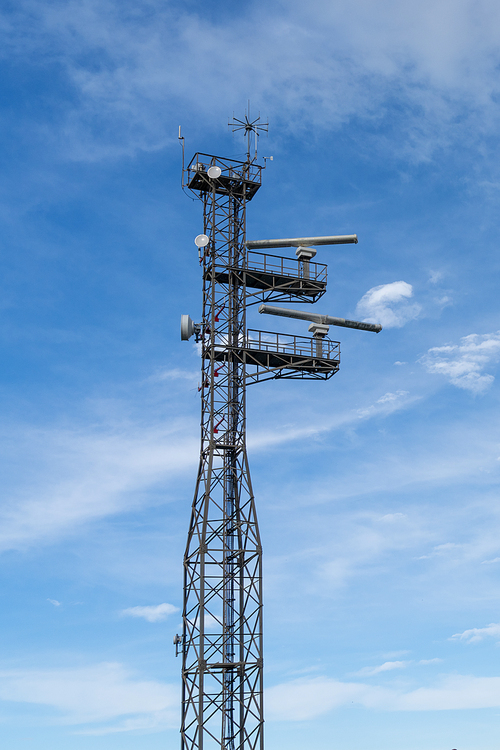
(288, 344)
(289, 267)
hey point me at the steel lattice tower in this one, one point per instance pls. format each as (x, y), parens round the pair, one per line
(221, 643)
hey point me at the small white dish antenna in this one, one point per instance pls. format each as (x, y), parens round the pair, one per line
(214, 172)
(201, 240)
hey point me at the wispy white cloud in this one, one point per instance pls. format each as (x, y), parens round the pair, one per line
(54, 602)
(151, 613)
(97, 694)
(92, 472)
(126, 67)
(464, 363)
(387, 403)
(441, 550)
(305, 699)
(424, 662)
(78, 476)
(435, 276)
(387, 666)
(475, 635)
(388, 304)
(110, 698)
(174, 373)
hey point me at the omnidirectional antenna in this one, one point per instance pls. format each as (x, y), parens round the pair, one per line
(249, 126)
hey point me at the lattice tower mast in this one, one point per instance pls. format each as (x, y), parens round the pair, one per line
(221, 642)
(222, 636)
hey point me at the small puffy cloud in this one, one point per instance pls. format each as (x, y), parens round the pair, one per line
(435, 276)
(463, 364)
(389, 305)
(474, 635)
(152, 613)
(54, 602)
(387, 666)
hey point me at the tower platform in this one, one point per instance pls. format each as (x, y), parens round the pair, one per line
(275, 274)
(278, 355)
(236, 178)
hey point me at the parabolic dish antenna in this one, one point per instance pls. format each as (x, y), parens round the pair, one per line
(201, 240)
(214, 172)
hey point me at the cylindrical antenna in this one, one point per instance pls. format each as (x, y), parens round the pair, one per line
(339, 239)
(317, 318)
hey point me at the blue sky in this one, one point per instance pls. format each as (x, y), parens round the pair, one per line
(377, 491)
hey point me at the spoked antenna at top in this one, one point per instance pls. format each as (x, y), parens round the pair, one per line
(250, 126)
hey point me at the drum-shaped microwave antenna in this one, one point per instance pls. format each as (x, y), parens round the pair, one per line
(214, 172)
(201, 240)
(187, 327)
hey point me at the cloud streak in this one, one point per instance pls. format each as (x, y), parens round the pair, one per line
(101, 693)
(152, 613)
(475, 635)
(79, 476)
(306, 699)
(387, 666)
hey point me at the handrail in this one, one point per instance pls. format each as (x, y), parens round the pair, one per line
(280, 266)
(286, 343)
